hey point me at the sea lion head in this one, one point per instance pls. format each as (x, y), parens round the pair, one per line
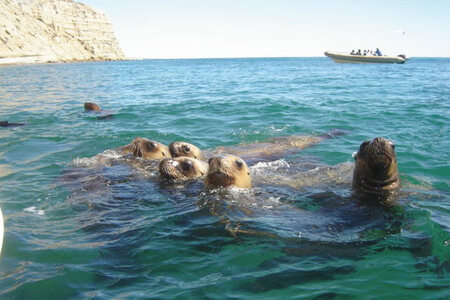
(90, 106)
(228, 170)
(148, 149)
(178, 149)
(376, 166)
(182, 168)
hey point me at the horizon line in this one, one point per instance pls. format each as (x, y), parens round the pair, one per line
(249, 57)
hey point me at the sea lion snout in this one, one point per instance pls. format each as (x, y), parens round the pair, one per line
(168, 168)
(380, 154)
(215, 162)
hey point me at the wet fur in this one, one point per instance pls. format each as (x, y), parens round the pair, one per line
(376, 170)
(147, 149)
(90, 106)
(224, 171)
(175, 168)
(178, 149)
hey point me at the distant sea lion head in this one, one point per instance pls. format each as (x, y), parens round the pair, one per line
(8, 124)
(182, 168)
(90, 106)
(376, 166)
(148, 149)
(228, 170)
(178, 149)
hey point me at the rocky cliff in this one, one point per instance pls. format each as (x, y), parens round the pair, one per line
(54, 30)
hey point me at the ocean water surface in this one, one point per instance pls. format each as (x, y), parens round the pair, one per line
(78, 227)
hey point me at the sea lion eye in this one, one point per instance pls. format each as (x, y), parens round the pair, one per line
(186, 149)
(152, 145)
(392, 145)
(239, 164)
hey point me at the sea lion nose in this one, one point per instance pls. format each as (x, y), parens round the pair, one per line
(187, 165)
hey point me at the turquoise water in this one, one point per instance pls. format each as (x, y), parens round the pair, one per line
(75, 229)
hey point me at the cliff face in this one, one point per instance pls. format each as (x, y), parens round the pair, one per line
(54, 30)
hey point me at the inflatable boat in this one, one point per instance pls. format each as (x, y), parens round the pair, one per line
(352, 58)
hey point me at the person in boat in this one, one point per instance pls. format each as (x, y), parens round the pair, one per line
(378, 52)
(353, 52)
(365, 52)
(359, 52)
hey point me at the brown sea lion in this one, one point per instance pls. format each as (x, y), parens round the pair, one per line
(147, 149)
(182, 168)
(274, 148)
(376, 170)
(101, 114)
(228, 170)
(178, 149)
(90, 106)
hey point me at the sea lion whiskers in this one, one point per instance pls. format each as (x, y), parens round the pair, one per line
(168, 169)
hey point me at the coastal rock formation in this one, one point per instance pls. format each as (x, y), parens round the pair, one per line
(53, 31)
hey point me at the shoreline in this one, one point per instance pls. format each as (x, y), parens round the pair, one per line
(37, 60)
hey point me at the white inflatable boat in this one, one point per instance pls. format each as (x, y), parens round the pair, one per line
(352, 58)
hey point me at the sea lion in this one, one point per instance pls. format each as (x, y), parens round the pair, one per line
(101, 114)
(182, 168)
(276, 147)
(8, 124)
(147, 149)
(91, 106)
(178, 149)
(228, 170)
(376, 170)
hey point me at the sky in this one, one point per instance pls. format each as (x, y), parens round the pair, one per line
(277, 28)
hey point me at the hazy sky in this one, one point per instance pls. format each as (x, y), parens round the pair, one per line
(277, 28)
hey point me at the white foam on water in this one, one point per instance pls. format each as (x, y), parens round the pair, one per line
(34, 210)
(100, 158)
(263, 167)
(274, 129)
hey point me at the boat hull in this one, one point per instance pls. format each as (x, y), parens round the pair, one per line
(365, 59)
